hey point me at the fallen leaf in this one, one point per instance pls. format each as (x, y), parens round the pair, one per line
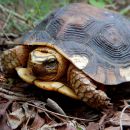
(29, 111)
(113, 128)
(53, 105)
(3, 117)
(46, 127)
(37, 123)
(125, 118)
(24, 127)
(15, 106)
(93, 126)
(16, 118)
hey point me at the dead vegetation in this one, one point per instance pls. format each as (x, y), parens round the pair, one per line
(30, 109)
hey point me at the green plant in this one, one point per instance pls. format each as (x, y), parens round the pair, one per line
(100, 3)
(5, 2)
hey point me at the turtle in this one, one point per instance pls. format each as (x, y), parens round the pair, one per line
(77, 50)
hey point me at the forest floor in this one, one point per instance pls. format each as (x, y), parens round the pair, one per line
(25, 107)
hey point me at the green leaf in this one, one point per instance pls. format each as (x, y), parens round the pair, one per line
(98, 3)
(109, 1)
(125, 10)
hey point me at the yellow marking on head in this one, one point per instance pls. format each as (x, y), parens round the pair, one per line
(39, 57)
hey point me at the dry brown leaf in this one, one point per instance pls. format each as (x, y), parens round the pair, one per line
(39, 104)
(2, 78)
(93, 126)
(16, 118)
(29, 111)
(46, 127)
(3, 117)
(37, 123)
(113, 128)
(69, 128)
(15, 106)
(71, 125)
(24, 127)
(125, 118)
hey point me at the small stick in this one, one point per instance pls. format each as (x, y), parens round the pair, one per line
(7, 94)
(12, 12)
(54, 113)
(9, 35)
(7, 20)
(4, 26)
(122, 112)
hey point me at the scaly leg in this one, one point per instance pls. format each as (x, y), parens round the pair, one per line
(86, 90)
(12, 58)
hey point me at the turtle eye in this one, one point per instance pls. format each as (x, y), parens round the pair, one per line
(52, 63)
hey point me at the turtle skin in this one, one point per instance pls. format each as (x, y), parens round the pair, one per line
(96, 42)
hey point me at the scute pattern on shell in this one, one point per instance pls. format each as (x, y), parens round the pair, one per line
(103, 37)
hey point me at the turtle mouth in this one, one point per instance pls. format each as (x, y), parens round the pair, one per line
(46, 63)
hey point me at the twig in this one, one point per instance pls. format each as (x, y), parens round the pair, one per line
(7, 20)
(9, 35)
(4, 26)
(121, 125)
(58, 117)
(57, 125)
(54, 113)
(6, 36)
(8, 42)
(7, 94)
(12, 97)
(26, 124)
(125, 10)
(12, 12)
(101, 122)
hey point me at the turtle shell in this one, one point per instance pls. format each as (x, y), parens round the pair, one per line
(96, 41)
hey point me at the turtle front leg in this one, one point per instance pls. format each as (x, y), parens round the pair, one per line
(86, 90)
(12, 58)
(27, 75)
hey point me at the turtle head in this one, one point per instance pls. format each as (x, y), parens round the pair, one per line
(46, 63)
(43, 63)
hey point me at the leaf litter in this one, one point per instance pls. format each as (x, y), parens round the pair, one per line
(35, 114)
(24, 109)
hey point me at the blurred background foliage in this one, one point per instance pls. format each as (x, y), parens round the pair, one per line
(33, 11)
